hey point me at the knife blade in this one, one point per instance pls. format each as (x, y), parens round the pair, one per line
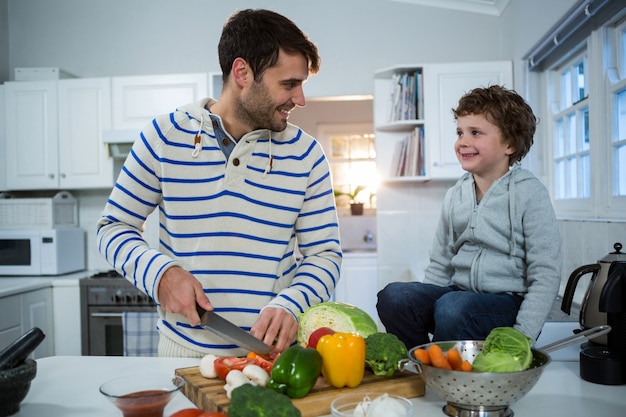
(217, 324)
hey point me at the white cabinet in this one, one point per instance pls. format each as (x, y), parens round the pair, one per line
(37, 312)
(439, 88)
(358, 282)
(66, 319)
(84, 112)
(54, 134)
(32, 157)
(3, 180)
(22, 312)
(138, 99)
(10, 320)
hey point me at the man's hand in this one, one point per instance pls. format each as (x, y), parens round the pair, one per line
(275, 327)
(178, 293)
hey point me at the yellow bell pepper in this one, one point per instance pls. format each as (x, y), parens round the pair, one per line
(343, 359)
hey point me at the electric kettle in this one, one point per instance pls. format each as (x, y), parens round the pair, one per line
(590, 312)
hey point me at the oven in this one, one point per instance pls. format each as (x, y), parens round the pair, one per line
(104, 298)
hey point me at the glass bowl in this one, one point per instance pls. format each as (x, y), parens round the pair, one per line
(143, 395)
(377, 404)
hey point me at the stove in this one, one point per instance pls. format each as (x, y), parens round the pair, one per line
(104, 298)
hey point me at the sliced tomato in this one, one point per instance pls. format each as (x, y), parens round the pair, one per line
(196, 412)
(264, 363)
(188, 412)
(225, 364)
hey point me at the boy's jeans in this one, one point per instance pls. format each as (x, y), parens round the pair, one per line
(412, 310)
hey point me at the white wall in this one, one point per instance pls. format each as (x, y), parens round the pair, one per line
(355, 37)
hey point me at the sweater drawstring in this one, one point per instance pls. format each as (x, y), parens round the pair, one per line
(512, 243)
(270, 158)
(197, 140)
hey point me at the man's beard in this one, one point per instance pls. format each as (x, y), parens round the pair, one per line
(257, 110)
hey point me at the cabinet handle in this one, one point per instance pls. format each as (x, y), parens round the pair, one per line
(106, 314)
(51, 176)
(62, 175)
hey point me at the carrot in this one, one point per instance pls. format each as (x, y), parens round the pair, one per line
(422, 356)
(454, 358)
(466, 366)
(437, 357)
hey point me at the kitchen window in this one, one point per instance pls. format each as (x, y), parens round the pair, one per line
(585, 121)
(352, 157)
(571, 130)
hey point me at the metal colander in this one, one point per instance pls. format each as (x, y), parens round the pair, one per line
(470, 390)
(486, 393)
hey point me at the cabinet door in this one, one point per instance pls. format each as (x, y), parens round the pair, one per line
(37, 312)
(138, 99)
(446, 83)
(3, 152)
(358, 283)
(31, 135)
(10, 321)
(84, 112)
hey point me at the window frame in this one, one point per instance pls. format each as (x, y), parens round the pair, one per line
(606, 75)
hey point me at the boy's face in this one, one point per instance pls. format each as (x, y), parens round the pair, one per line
(480, 147)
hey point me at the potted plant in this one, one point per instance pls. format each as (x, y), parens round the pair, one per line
(355, 207)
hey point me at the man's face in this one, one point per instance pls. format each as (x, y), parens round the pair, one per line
(266, 104)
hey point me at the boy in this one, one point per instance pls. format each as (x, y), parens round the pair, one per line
(496, 253)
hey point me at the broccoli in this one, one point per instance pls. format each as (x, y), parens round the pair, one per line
(255, 401)
(383, 351)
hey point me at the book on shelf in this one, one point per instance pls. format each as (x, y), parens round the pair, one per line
(406, 96)
(408, 156)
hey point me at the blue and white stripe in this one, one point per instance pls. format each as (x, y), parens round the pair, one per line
(234, 226)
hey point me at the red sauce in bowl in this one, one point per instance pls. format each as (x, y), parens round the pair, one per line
(149, 403)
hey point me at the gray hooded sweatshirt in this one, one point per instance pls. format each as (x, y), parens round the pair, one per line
(509, 242)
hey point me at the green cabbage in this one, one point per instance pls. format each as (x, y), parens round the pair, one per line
(505, 350)
(341, 317)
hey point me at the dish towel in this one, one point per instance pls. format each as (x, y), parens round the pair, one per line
(141, 337)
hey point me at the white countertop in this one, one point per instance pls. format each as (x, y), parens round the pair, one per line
(10, 285)
(67, 386)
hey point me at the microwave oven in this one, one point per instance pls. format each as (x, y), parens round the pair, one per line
(42, 252)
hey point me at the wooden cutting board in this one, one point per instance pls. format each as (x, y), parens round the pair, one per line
(209, 395)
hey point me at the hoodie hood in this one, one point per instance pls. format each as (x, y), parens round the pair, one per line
(199, 112)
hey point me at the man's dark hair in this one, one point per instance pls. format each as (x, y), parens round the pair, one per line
(257, 35)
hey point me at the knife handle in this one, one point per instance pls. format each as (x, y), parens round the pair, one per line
(18, 351)
(200, 311)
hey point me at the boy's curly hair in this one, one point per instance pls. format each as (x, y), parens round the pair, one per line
(505, 109)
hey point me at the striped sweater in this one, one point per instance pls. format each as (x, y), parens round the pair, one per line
(236, 225)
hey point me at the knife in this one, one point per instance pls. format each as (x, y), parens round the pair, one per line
(224, 328)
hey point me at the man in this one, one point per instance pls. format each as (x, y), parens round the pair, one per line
(240, 192)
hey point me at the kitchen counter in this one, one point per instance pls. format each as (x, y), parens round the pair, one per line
(67, 386)
(10, 285)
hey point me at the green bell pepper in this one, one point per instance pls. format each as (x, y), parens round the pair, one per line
(295, 371)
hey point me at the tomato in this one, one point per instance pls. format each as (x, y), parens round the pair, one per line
(225, 364)
(196, 412)
(189, 412)
(317, 334)
(264, 363)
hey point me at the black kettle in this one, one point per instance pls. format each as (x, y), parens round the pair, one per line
(591, 315)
